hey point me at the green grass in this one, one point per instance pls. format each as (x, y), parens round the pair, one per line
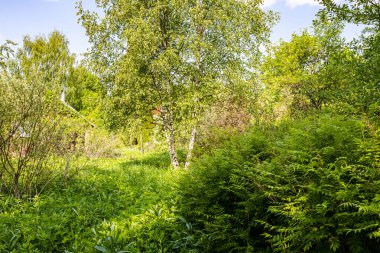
(309, 185)
(84, 214)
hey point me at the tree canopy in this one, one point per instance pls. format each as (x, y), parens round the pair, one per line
(175, 55)
(354, 11)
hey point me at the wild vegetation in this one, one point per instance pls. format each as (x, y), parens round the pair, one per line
(185, 130)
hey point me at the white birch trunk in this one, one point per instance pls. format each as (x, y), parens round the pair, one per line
(167, 118)
(191, 147)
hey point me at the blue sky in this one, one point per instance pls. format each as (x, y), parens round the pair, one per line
(298, 14)
(40, 17)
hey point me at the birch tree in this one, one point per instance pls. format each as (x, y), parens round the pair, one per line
(174, 56)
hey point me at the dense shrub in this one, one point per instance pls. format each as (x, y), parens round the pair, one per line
(29, 123)
(306, 186)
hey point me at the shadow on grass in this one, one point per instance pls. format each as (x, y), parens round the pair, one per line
(157, 160)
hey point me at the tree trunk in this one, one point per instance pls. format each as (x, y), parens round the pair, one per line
(191, 147)
(197, 83)
(16, 191)
(167, 120)
(172, 149)
(141, 142)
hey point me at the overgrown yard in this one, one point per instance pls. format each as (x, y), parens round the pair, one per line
(186, 128)
(309, 185)
(83, 214)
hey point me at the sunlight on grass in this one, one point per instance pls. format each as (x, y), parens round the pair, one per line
(73, 215)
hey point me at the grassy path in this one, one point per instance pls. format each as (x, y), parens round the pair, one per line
(97, 211)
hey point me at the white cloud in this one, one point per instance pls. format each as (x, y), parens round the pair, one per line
(296, 3)
(290, 3)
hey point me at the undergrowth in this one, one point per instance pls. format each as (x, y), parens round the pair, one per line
(92, 211)
(309, 185)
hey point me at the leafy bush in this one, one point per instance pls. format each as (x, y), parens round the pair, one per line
(305, 186)
(29, 121)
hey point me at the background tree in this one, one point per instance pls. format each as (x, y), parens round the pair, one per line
(48, 56)
(365, 12)
(85, 93)
(366, 64)
(309, 72)
(6, 53)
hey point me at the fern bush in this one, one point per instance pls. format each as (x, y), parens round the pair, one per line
(305, 186)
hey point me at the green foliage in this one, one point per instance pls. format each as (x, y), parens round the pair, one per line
(49, 57)
(100, 143)
(309, 72)
(110, 206)
(320, 71)
(366, 82)
(308, 185)
(174, 56)
(85, 93)
(29, 123)
(353, 11)
(363, 90)
(6, 53)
